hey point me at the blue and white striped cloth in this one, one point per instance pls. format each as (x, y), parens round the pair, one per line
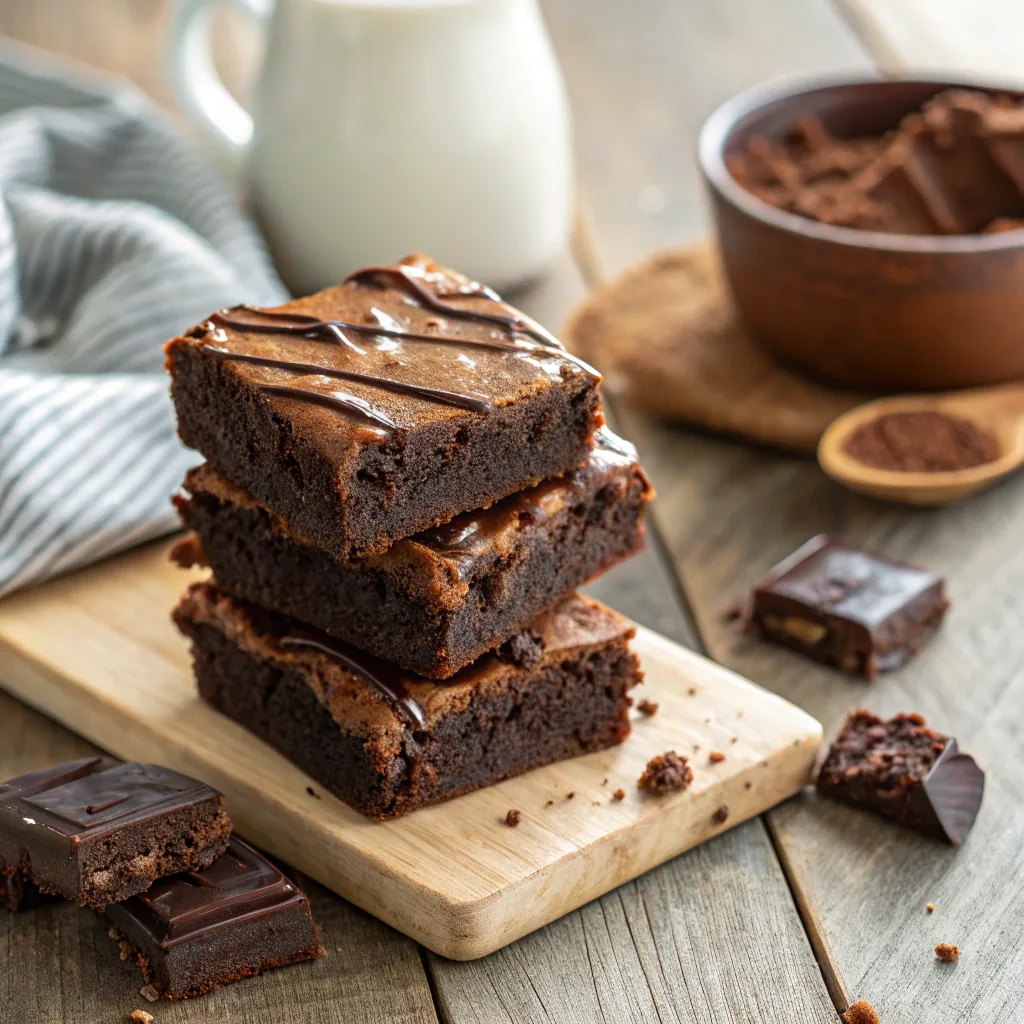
(115, 235)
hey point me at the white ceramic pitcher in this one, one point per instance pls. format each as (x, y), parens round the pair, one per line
(383, 127)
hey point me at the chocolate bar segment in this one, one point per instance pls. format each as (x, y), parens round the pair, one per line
(902, 770)
(849, 608)
(435, 602)
(193, 932)
(386, 741)
(97, 831)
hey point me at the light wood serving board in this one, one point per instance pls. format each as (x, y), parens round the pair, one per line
(97, 652)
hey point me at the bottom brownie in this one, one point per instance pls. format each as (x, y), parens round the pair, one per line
(387, 742)
(194, 932)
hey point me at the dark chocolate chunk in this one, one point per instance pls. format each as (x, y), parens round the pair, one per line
(98, 831)
(850, 608)
(904, 771)
(193, 932)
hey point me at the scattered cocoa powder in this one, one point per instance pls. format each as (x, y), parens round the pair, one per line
(647, 707)
(948, 952)
(921, 442)
(861, 1012)
(665, 773)
(716, 757)
(513, 818)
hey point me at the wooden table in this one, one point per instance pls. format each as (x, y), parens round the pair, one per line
(785, 919)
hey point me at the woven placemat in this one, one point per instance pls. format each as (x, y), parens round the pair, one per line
(668, 339)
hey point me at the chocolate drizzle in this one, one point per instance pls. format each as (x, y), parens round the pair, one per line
(384, 383)
(385, 679)
(405, 278)
(525, 337)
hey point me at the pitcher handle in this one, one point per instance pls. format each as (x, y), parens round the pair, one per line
(198, 88)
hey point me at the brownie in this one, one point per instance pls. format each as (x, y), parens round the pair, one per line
(435, 602)
(382, 406)
(902, 770)
(853, 609)
(386, 741)
(98, 831)
(191, 933)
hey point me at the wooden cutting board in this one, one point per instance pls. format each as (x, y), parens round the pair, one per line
(97, 652)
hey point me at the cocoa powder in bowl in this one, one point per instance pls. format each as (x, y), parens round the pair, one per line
(921, 442)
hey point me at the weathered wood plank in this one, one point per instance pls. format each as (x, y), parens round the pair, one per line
(59, 966)
(727, 512)
(710, 937)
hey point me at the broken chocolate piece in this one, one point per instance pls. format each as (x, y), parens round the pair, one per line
(196, 931)
(98, 831)
(853, 609)
(904, 771)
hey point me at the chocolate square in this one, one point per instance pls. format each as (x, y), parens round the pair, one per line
(850, 608)
(195, 931)
(97, 830)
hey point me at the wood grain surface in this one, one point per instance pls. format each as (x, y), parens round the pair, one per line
(641, 77)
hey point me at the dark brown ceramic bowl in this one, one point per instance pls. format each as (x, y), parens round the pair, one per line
(865, 309)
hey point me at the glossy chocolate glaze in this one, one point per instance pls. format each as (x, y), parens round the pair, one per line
(514, 337)
(385, 679)
(239, 885)
(49, 814)
(469, 536)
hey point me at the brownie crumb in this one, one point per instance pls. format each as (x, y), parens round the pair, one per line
(549, 803)
(619, 794)
(748, 785)
(692, 691)
(862, 1012)
(525, 649)
(313, 793)
(666, 773)
(647, 707)
(595, 803)
(141, 1017)
(716, 757)
(604, 782)
(929, 907)
(569, 796)
(720, 815)
(150, 993)
(947, 952)
(512, 818)
(736, 739)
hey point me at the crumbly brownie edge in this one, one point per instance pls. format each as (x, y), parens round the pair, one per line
(189, 839)
(371, 609)
(410, 481)
(574, 707)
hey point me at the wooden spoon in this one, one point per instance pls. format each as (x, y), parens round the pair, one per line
(998, 410)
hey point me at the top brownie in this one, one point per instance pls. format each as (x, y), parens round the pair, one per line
(382, 406)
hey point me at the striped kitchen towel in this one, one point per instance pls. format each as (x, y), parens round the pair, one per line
(115, 235)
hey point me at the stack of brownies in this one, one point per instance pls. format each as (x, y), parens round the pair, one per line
(406, 481)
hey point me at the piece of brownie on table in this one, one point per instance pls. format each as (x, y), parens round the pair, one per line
(854, 609)
(97, 830)
(386, 741)
(902, 770)
(195, 932)
(383, 406)
(435, 602)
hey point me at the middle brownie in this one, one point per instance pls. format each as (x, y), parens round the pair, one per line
(435, 602)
